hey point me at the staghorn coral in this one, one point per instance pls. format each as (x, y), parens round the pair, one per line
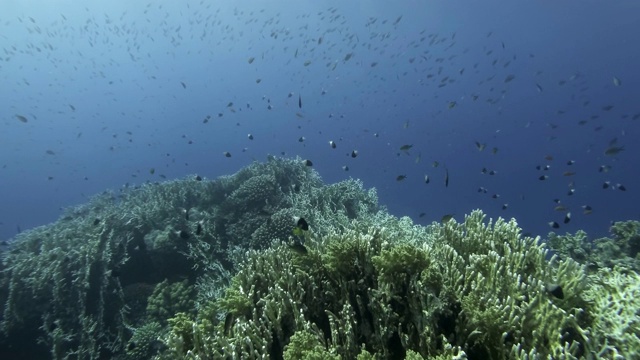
(370, 285)
(615, 299)
(620, 250)
(169, 299)
(500, 286)
(473, 289)
(144, 343)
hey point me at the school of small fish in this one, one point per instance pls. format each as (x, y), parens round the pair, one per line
(275, 60)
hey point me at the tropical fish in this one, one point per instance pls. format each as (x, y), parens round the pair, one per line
(445, 218)
(614, 150)
(446, 177)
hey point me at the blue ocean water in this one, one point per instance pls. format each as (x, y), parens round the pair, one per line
(99, 95)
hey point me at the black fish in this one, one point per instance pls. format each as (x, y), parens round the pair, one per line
(555, 290)
(308, 162)
(299, 101)
(199, 229)
(446, 178)
(228, 323)
(96, 221)
(302, 224)
(298, 247)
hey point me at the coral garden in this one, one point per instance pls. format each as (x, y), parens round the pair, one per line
(218, 269)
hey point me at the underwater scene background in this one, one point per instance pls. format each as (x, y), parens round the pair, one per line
(319, 180)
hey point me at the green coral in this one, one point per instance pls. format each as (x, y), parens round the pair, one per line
(480, 285)
(108, 279)
(145, 343)
(620, 250)
(306, 345)
(169, 299)
(615, 300)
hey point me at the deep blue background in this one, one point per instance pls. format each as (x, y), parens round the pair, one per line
(120, 64)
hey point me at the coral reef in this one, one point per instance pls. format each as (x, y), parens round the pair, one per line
(475, 289)
(621, 250)
(80, 285)
(207, 269)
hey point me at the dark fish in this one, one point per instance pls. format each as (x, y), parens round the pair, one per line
(298, 247)
(354, 153)
(185, 212)
(183, 85)
(567, 218)
(586, 209)
(250, 136)
(509, 78)
(299, 101)
(96, 221)
(250, 60)
(446, 177)
(72, 107)
(229, 319)
(480, 146)
(604, 168)
(606, 184)
(504, 206)
(227, 154)
(199, 229)
(301, 223)
(621, 187)
(198, 178)
(555, 290)
(401, 177)
(445, 218)
(50, 152)
(543, 177)
(308, 162)
(539, 87)
(554, 225)
(332, 144)
(184, 234)
(152, 171)
(22, 118)
(614, 150)
(406, 147)
(616, 81)
(426, 179)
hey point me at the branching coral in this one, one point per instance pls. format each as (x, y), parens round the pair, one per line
(366, 285)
